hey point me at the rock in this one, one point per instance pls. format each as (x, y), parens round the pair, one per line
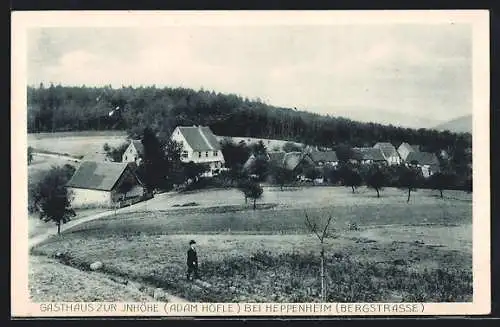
(96, 265)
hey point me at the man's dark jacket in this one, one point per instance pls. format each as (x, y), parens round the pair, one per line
(192, 257)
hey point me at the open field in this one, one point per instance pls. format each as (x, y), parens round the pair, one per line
(49, 281)
(86, 143)
(307, 197)
(75, 143)
(420, 251)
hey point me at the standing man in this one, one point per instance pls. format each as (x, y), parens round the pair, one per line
(192, 261)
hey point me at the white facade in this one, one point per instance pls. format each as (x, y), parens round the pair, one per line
(82, 198)
(393, 159)
(213, 158)
(131, 154)
(404, 150)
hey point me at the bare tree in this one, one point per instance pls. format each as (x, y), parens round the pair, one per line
(321, 233)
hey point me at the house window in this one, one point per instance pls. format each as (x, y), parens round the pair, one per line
(199, 154)
(206, 154)
(126, 158)
(215, 153)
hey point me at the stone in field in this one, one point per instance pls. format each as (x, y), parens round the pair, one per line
(96, 265)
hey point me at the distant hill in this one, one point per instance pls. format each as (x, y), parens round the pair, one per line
(67, 108)
(377, 115)
(458, 125)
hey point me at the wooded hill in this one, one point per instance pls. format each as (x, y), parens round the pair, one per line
(62, 108)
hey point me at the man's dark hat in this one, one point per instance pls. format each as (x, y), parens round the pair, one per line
(192, 242)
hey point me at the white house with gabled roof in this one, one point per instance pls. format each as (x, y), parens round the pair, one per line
(199, 145)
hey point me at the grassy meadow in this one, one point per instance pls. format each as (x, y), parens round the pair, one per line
(75, 143)
(421, 251)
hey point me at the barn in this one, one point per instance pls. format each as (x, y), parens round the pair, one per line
(104, 184)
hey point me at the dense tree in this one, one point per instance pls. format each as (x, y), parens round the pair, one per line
(280, 175)
(154, 167)
(235, 155)
(344, 153)
(332, 174)
(260, 168)
(350, 177)
(115, 153)
(58, 108)
(243, 185)
(441, 181)
(409, 179)
(467, 185)
(51, 197)
(192, 171)
(258, 149)
(253, 191)
(173, 165)
(376, 179)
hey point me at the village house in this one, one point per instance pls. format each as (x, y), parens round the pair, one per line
(296, 161)
(404, 149)
(426, 161)
(134, 152)
(389, 152)
(199, 145)
(368, 156)
(104, 184)
(324, 158)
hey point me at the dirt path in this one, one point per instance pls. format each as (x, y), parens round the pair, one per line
(165, 296)
(59, 156)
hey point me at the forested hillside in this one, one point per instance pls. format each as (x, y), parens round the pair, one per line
(61, 108)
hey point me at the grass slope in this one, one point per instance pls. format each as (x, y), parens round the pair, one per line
(402, 252)
(51, 281)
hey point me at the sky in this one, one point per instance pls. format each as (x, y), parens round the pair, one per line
(411, 75)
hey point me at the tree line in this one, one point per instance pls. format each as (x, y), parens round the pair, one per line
(63, 108)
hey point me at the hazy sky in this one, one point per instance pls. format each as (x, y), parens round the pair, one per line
(406, 70)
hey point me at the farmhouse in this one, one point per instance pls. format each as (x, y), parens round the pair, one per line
(104, 184)
(199, 145)
(404, 149)
(368, 156)
(276, 157)
(324, 158)
(134, 152)
(296, 161)
(426, 161)
(389, 152)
